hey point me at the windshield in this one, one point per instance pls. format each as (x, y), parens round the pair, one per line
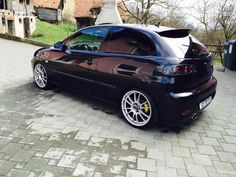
(187, 47)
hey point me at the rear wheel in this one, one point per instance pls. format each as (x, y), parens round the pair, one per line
(138, 108)
(41, 76)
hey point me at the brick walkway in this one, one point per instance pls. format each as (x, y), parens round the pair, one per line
(57, 133)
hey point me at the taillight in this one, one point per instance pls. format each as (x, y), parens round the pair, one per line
(177, 69)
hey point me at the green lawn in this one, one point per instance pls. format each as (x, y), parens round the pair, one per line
(50, 33)
(217, 62)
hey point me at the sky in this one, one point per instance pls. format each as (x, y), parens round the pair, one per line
(186, 5)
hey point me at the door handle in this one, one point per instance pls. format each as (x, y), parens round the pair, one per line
(90, 62)
(68, 52)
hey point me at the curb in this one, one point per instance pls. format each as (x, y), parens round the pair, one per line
(15, 38)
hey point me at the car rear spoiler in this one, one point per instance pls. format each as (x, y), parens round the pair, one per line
(175, 33)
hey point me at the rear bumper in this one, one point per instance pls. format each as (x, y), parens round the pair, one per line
(182, 108)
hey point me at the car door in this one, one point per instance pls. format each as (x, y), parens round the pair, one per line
(127, 62)
(78, 64)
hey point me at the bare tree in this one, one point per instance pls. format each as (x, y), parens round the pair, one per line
(218, 20)
(144, 11)
(201, 14)
(226, 19)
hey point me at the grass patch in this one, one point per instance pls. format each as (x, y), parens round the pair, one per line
(50, 33)
(217, 62)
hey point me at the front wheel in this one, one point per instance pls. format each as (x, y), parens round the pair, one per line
(41, 76)
(138, 108)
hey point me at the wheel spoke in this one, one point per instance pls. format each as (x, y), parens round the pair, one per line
(138, 99)
(127, 101)
(37, 79)
(44, 80)
(135, 98)
(40, 82)
(36, 71)
(134, 117)
(142, 117)
(129, 111)
(141, 112)
(144, 103)
(131, 101)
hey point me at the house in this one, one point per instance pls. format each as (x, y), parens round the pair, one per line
(55, 10)
(16, 18)
(83, 12)
(87, 11)
(49, 10)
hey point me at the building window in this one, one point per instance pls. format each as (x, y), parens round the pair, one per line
(20, 20)
(3, 4)
(27, 2)
(21, 1)
(3, 21)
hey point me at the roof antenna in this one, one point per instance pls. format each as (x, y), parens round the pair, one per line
(158, 24)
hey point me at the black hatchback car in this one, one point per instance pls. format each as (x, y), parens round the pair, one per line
(156, 74)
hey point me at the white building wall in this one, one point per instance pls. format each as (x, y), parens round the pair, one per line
(20, 7)
(1, 25)
(68, 11)
(109, 13)
(32, 24)
(19, 25)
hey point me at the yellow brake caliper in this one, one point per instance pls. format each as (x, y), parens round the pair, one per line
(146, 107)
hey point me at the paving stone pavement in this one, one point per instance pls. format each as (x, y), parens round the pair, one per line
(63, 134)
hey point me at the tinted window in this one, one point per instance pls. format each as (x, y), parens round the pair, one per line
(129, 41)
(187, 47)
(88, 39)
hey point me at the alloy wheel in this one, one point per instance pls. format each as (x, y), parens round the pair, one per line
(40, 76)
(136, 108)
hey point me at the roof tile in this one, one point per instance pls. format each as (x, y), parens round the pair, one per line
(52, 4)
(82, 7)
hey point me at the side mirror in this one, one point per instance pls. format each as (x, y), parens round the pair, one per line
(58, 45)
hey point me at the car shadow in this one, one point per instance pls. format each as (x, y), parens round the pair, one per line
(112, 109)
(29, 91)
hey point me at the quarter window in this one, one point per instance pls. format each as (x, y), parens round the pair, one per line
(129, 41)
(88, 39)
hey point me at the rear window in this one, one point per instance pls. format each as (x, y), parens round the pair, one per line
(184, 48)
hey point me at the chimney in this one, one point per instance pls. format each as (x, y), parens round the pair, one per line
(109, 13)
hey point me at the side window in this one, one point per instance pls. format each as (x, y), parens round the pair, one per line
(88, 39)
(129, 41)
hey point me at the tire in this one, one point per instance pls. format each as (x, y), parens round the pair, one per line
(41, 77)
(138, 109)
